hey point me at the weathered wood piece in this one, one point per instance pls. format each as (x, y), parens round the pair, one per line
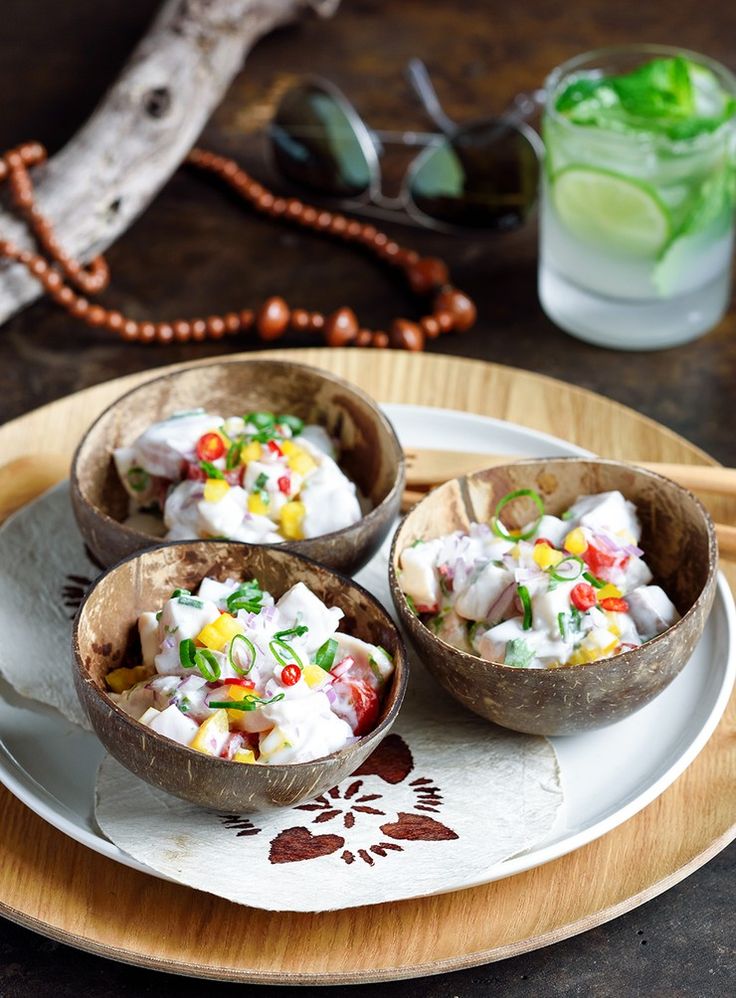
(147, 122)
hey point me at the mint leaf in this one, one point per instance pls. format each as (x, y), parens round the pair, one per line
(518, 654)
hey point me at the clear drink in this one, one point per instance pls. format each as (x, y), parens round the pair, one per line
(637, 218)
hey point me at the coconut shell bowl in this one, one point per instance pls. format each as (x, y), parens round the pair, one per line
(104, 633)
(680, 548)
(370, 453)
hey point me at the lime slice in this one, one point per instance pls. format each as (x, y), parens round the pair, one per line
(612, 212)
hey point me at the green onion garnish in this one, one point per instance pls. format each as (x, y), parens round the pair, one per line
(261, 420)
(292, 631)
(325, 656)
(180, 592)
(187, 653)
(138, 479)
(521, 535)
(526, 602)
(561, 624)
(567, 515)
(277, 643)
(249, 703)
(261, 481)
(597, 583)
(411, 604)
(577, 566)
(204, 660)
(247, 596)
(416, 543)
(251, 650)
(190, 601)
(295, 424)
(210, 470)
(232, 458)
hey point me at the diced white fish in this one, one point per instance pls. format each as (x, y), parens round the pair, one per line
(477, 600)
(373, 664)
(162, 447)
(552, 528)
(547, 607)
(148, 633)
(608, 511)
(492, 643)
(317, 441)
(175, 725)
(652, 610)
(217, 592)
(179, 621)
(418, 576)
(224, 517)
(330, 500)
(300, 605)
(453, 629)
(303, 728)
(181, 510)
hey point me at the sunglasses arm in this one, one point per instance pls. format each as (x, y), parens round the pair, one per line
(419, 79)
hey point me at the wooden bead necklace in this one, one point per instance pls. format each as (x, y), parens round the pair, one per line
(451, 309)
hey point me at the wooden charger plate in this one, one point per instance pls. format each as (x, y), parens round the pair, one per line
(59, 888)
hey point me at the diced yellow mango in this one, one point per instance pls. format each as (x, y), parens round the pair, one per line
(120, 680)
(256, 505)
(575, 542)
(245, 755)
(609, 591)
(289, 447)
(314, 676)
(214, 729)
(220, 632)
(300, 461)
(546, 557)
(215, 489)
(292, 514)
(240, 692)
(251, 452)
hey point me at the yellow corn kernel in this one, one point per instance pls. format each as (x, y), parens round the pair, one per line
(289, 447)
(220, 632)
(245, 755)
(609, 591)
(256, 505)
(120, 680)
(211, 732)
(301, 462)
(546, 557)
(251, 452)
(292, 514)
(215, 489)
(314, 676)
(575, 542)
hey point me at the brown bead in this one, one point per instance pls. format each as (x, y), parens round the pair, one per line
(430, 326)
(426, 274)
(147, 332)
(339, 225)
(445, 320)
(38, 266)
(96, 315)
(380, 241)
(182, 330)
(199, 329)
(265, 201)
(341, 328)
(279, 206)
(309, 215)
(246, 317)
(380, 339)
(460, 307)
(3, 169)
(164, 332)
(406, 335)
(215, 327)
(79, 307)
(390, 251)
(272, 318)
(324, 220)
(114, 321)
(368, 233)
(254, 189)
(65, 296)
(130, 330)
(316, 321)
(232, 323)
(294, 208)
(364, 338)
(300, 320)
(353, 229)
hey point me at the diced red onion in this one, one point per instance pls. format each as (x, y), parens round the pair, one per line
(633, 551)
(330, 694)
(343, 666)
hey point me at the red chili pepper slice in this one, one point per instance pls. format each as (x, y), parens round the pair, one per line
(615, 604)
(210, 446)
(582, 596)
(291, 674)
(600, 561)
(247, 683)
(284, 484)
(275, 448)
(543, 540)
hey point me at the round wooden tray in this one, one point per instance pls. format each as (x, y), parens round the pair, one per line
(63, 890)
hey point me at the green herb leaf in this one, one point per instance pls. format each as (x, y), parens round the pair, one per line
(416, 543)
(411, 604)
(296, 632)
(261, 420)
(261, 481)
(325, 656)
(295, 424)
(210, 470)
(138, 479)
(518, 654)
(561, 624)
(232, 458)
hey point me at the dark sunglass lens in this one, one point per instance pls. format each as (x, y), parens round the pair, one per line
(485, 177)
(315, 144)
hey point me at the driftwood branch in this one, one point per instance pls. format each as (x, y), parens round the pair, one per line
(147, 122)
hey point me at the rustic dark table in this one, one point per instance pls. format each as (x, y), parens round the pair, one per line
(193, 252)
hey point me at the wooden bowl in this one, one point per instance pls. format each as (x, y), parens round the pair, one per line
(680, 547)
(370, 452)
(103, 628)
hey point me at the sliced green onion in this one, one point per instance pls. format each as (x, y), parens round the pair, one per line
(207, 664)
(251, 650)
(232, 458)
(248, 596)
(325, 656)
(295, 424)
(210, 470)
(277, 643)
(571, 559)
(411, 604)
(561, 624)
(261, 420)
(190, 601)
(188, 654)
(138, 479)
(261, 481)
(180, 592)
(567, 515)
(597, 583)
(185, 412)
(296, 632)
(526, 602)
(248, 703)
(521, 535)
(416, 543)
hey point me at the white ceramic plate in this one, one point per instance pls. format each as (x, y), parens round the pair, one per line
(608, 775)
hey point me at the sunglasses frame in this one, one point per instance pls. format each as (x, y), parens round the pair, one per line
(403, 209)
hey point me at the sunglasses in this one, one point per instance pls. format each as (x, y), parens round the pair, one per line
(483, 175)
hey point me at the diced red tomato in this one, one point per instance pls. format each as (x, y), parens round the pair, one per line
(365, 703)
(210, 446)
(275, 448)
(601, 562)
(240, 681)
(582, 596)
(615, 604)
(284, 484)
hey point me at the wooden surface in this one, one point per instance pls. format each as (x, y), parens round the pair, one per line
(51, 884)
